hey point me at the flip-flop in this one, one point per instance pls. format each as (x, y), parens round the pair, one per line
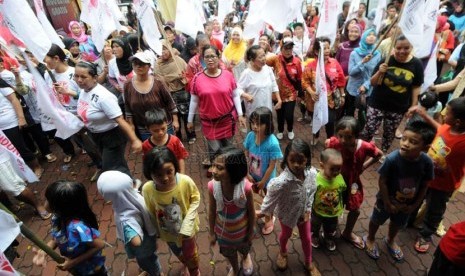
(247, 271)
(266, 230)
(358, 242)
(422, 245)
(373, 252)
(396, 254)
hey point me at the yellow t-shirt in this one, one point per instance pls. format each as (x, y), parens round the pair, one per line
(175, 211)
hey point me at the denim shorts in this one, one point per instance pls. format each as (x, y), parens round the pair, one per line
(380, 215)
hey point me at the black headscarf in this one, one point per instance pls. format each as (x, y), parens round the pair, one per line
(123, 63)
(68, 41)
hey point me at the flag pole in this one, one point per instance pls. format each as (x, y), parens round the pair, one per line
(32, 237)
(384, 35)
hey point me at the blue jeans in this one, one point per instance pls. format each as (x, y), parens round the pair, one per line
(150, 264)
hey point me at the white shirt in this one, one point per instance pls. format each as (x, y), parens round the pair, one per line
(260, 85)
(8, 117)
(301, 46)
(98, 108)
(67, 80)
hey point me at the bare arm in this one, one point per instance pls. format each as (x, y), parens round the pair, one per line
(18, 109)
(95, 246)
(251, 216)
(212, 217)
(136, 144)
(266, 176)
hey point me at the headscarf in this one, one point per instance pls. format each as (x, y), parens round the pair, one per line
(364, 48)
(128, 205)
(441, 25)
(68, 41)
(235, 52)
(82, 36)
(123, 63)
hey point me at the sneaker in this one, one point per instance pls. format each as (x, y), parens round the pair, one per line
(50, 158)
(290, 135)
(281, 261)
(192, 141)
(315, 241)
(67, 159)
(279, 136)
(330, 244)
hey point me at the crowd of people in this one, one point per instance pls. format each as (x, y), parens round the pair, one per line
(225, 83)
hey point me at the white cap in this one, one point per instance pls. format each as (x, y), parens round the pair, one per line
(142, 56)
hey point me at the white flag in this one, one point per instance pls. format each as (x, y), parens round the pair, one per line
(411, 22)
(98, 15)
(188, 19)
(65, 122)
(148, 23)
(320, 113)
(254, 22)
(353, 10)
(380, 12)
(431, 72)
(48, 28)
(430, 16)
(280, 13)
(327, 26)
(224, 8)
(16, 160)
(116, 13)
(9, 230)
(24, 24)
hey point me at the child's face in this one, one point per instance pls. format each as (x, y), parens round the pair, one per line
(165, 178)
(257, 127)
(411, 145)
(332, 167)
(218, 169)
(346, 138)
(158, 131)
(449, 117)
(296, 162)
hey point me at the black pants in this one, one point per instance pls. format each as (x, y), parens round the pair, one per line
(182, 100)
(436, 204)
(34, 135)
(330, 126)
(112, 145)
(16, 137)
(85, 140)
(65, 144)
(189, 134)
(286, 113)
(441, 266)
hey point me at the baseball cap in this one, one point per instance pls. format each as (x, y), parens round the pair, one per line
(142, 56)
(287, 41)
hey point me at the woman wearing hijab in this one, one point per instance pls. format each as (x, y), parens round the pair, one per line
(361, 65)
(345, 49)
(120, 68)
(233, 55)
(86, 45)
(458, 18)
(74, 52)
(172, 69)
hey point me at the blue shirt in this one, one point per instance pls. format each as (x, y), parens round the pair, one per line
(147, 247)
(261, 155)
(360, 73)
(459, 22)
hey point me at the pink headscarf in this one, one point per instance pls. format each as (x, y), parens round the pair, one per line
(82, 36)
(441, 24)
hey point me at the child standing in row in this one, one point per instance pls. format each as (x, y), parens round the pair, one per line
(74, 230)
(328, 203)
(231, 209)
(173, 199)
(402, 186)
(290, 198)
(263, 152)
(357, 156)
(157, 124)
(134, 225)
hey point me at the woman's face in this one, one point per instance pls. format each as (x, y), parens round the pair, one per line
(140, 68)
(74, 50)
(236, 37)
(326, 50)
(354, 33)
(165, 54)
(263, 42)
(260, 58)
(287, 51)
(51, 62)
(83, 79)
(216, 26)
(76, 29)
(402, 50)
(117, 50)
(211, 59)
(107, 50)
(370, 39)
(313, 11)
(458, 9)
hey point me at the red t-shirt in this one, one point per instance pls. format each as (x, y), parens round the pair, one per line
(447, 152)
(453, 244)
(173, 143)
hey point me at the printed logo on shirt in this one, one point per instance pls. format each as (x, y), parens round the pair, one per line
(63, 99)
(407, 190)
(398, 79)
(82, 111)
(327, 201)
(170, 217)
(438, 153)
(255, 165)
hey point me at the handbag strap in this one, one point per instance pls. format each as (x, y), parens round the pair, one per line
(292, 80)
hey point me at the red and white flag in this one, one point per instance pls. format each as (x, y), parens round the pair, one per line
(23, 24)
(320, 114)
(148, 23)
(53, 112)
(48, 28)
(327, 26)
(98, 15)
(16, 160)
(411, 22)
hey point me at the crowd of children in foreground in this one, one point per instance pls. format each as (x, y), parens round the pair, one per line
(300, 196)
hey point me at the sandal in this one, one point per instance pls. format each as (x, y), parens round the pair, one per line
(67, 159)
(422, 245)
(357, 242)
(268, 227)
(371, 252)
(247, 271)
(396, 254)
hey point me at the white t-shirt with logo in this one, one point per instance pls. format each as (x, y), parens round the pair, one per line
(98, 108)
(8, 118)
(67, 80)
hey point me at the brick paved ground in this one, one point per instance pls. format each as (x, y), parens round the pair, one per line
(346, 260)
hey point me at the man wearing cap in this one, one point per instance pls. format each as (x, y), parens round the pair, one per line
(171, 36)
(301, 41)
